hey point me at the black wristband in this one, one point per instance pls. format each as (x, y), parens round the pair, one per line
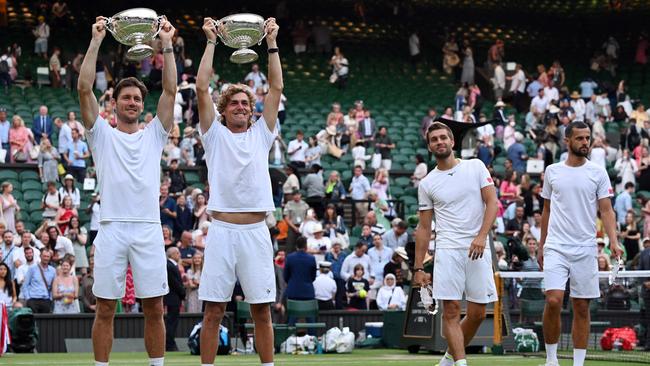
(273, 50)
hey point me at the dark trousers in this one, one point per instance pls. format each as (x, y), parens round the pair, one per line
(40, 306)
(78, 173)
(317, 204)
(326, 305)
(341, 299)
(171, 324)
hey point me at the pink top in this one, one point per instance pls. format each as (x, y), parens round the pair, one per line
(19, 136)
(508, 189)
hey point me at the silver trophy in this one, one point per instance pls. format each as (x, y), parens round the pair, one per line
(135, 27)
(242, 31)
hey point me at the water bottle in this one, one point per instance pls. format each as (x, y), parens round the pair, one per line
(618, 345)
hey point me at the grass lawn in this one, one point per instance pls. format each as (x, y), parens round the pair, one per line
(357, 358)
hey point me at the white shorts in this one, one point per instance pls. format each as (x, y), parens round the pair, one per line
(455, 274)
(577, 263)
(238, 252)
(140, 244)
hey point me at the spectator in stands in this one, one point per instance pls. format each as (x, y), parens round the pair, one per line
(499, 81)
(65, 290)
(55, 68)
(297, 149)
(48, 162)
(193, 275)
(184, 218)
(340, 69)
(366, 235)
(93, 211)
(358, 256)
(630, 235)
(313, 153)
(397, 266)
(397, 236)
(59, 244)
(336, 257)
(172, 151)
(173, 299)
(427, 121)
(421, 170)
(277, 153)
(626, 169)
(623, 203)
(258, 77)
(357, 288)
(6, 62)
(517, 153)
(300, 273)
(318, 244)
(294, 214)
(390, 296)
(22, 266)
(313, 186)
(65, 212)
(367, 128)
(518, 89)
(644, 202)
(188, 157)
(359, 188)
(86, 288)
(79, 237)
(21, 141)
(186, 249)
(50, 202)
(333, 223)
(42, 34)
(7, 249)
(381, 183)
(325, 287)
(384, 144)
(7, 287)
(37, 287)
(514, 227)
(76, 155)
(42, 125)
(5, 125)
(200, 210)
(69, 189)
(531, 287)
(334, 189)
(176, 178)
(379, 256)
(167, 207)
(509, 190)
(8, 206)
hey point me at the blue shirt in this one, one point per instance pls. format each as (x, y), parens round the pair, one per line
(300, 273)
(533, 88)
(515, 153)
(165, 219)
(33, 287)
(336, 263)
(360, 186)
(587, 88)
(4, 132)
(622, 204)
(81, 148)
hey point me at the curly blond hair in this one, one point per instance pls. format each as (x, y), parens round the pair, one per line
(232, 90)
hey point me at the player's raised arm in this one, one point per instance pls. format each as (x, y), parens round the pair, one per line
(206, 107)
(87, 100)
(272, 100)
(165, 109)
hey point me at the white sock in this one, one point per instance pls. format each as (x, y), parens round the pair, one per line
(160, 361)
(579, 357)
(462, 362)
(551, 352)
(207, 364)
(446, 360)
(268, 364)
(97, 363)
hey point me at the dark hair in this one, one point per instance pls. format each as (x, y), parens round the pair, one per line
(419, 158)
(629, 185)
(8, 281)
(299, 132)
(316, 168)
(537, 212)
(301, 243)
(359, 266)
(439, 126)
(568, 132)
(128, 82)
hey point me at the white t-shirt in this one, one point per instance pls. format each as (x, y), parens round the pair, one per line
(455, 197)
(574, 193)
(239, 168)
(65, 138)
(540, 104)
(128, 170)
(19, 254)
(599, 157)
(94, 217)
(551, 93)
(298, 155)
(324, 287)
(518, 82)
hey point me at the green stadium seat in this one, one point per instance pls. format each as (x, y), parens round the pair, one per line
(34, 205)
(6, 174)
(36, 216)
(32, 195)
(28, 175)
(32, 185)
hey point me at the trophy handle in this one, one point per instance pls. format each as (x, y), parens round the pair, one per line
(109, 24)
(265, 33)
(160, 20)
(217, 23)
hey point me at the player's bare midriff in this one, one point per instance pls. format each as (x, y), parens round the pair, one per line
(239, 218)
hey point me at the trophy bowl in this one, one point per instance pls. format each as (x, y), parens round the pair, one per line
(135, 27)
(242, 31)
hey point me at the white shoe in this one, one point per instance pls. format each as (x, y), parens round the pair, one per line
(552, 363)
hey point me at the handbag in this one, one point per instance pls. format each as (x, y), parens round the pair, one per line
(333, 78)
(60, 169)
(376, 161)
(20, 156)
(34, 151)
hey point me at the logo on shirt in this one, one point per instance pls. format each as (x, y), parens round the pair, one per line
(610, 190)
(489, 179)
(268, 291)
(164, 286)
(451, 174)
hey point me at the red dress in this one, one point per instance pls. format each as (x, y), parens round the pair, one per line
(67, 215)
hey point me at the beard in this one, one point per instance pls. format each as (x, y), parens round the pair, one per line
(579, 151)
(442, 155)
(127, 120)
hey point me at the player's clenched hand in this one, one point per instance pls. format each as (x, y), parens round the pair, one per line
(477, 247)
(99, 28)
(209, 29)
(167, 31)
(420, 278)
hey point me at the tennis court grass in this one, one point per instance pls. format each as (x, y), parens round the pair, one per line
(378, 357)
